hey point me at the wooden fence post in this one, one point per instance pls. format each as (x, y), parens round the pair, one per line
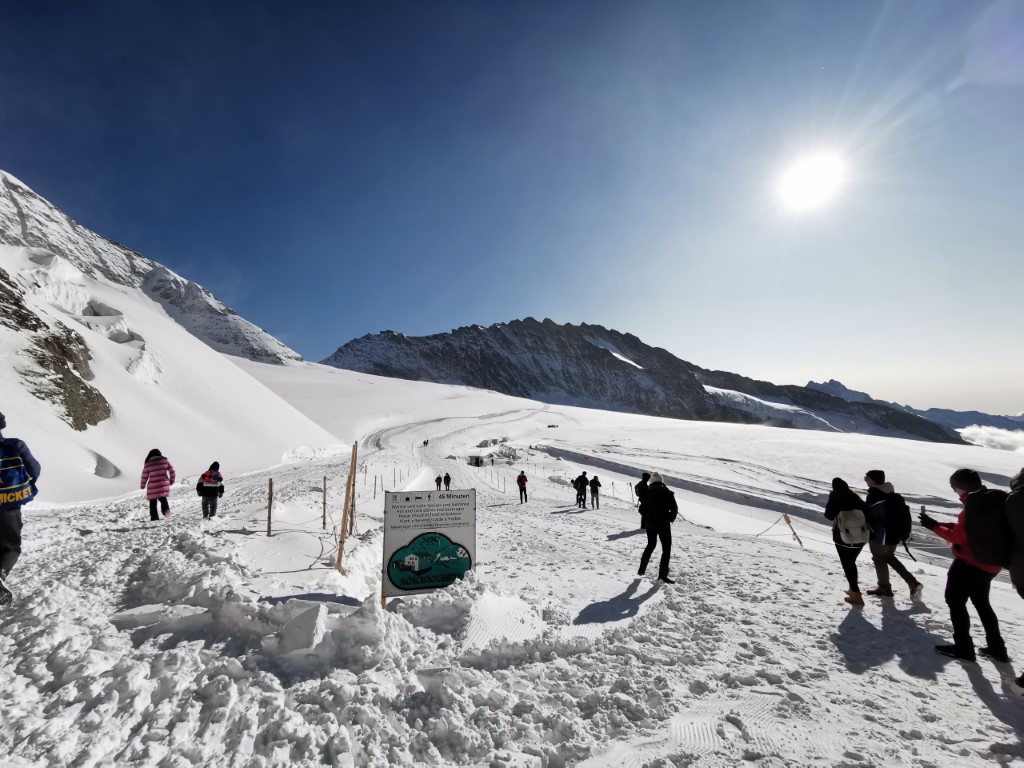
(786, 518)
(350, 484)
(375, 486)
(352, 511)
(270, 503)
(325, 503)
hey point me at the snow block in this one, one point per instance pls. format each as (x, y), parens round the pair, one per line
(304, 631)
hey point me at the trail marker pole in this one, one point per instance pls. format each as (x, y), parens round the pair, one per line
(786, 518)
(352, 512)
(375, 486)
(349, 483)
(270, 502)
(325, 503)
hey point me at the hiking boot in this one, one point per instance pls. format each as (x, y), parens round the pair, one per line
(666, 579)
(854, 598)
(6, 596)
(956, 652)
(880, 592)
(915, 590)
(995, 654)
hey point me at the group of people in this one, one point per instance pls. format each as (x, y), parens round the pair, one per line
(19, 473)
(982, 538)
(447, 479)
(582, 485)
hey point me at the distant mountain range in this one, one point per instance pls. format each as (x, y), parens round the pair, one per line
(943, 416)
(593, 366)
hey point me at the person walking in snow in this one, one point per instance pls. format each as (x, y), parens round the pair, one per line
(884, 506)
(210, 488)
(438, 480)
(581, 490)
(660, 510)
(157, 479)
(595, 501)
(521, 482)
(641, 494)
(968, 579)
(19, 473)
(848, 513)
(447, 481)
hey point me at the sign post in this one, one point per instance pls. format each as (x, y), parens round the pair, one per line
(429, 540)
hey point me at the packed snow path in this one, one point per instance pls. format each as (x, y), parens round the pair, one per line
(185, 642)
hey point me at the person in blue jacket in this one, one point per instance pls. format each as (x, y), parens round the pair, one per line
(19, 472)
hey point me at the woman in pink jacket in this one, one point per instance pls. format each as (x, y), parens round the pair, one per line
(157, 479)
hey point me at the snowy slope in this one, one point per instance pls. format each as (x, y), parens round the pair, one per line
(163, 386)
(185, 642)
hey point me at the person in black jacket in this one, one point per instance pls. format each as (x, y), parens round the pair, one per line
(210, 488)
(660, 511)
(20, 473)
(581, 484)
(447, 481)
(883, 543)
(595, 493)
(842, 499)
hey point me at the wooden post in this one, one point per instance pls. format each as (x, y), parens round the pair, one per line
(375, 486)
(352, 512)
(325, 503)
(270, 503)
(786, 518)
(394, 472)
(631, 499)
(350, 484)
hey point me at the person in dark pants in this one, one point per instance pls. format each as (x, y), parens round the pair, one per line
(19, 472)
(967, 578)
(447, 481)
(595, 493)
(157, 479)
(521, 482)
(210, 488)
(581, 484)
(660, 511)
(843, 499)
(437, 481)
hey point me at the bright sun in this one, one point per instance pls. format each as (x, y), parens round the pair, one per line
(812, 182)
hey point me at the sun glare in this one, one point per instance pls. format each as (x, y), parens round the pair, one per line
(812, 182)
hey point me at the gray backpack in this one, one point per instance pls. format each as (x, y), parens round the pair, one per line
(853, 527)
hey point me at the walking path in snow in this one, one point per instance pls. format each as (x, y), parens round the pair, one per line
(186, 642)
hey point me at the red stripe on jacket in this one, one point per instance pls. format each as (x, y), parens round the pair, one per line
(956, 534)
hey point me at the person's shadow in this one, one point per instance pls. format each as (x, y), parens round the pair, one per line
(625, 534)
(1002, 704)
(864, 646)
(620, 607)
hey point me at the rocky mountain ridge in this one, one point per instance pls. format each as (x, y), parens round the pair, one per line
(593, 366)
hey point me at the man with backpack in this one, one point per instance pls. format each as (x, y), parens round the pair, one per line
(19, 472)
(661, 510)
(581, 484)
(889, 518)
(850, 532)
(969, 578)
(521, 482)
(595, 490)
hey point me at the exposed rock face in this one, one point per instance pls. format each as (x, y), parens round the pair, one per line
(26, 219)
(581, 365)
(593, 366)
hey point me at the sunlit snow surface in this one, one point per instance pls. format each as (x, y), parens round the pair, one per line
(186, 642)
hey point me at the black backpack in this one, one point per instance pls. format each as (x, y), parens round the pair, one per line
(897, 518)
(988, 531)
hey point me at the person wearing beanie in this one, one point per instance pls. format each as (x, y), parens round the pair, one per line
(210, 488)
(641, 494)
(19, 473)
(967, 578)
(843, 504)
(660, 511)
(882, 501)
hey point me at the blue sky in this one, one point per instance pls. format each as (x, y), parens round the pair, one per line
(332, 169)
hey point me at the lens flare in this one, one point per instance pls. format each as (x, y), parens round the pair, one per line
(812, 182)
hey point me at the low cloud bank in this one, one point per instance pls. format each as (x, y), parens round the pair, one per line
(993, 437)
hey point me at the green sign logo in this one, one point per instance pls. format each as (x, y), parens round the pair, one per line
(429, 561)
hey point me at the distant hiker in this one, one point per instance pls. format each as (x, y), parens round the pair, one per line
(447, 481)
(521, 482)
(438, 480)
(1015, 519)
(967, 578)
(641, 493)
(595, 500)
(157, 479)
(492, 461)
(19, 472)
(210, 488)
(581, 484)
(660, 511)
(850, 532)
(889, 518)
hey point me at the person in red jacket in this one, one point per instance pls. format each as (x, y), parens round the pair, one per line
(967, 578)
(157, 479)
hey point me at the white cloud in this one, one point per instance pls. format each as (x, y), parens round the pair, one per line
(993, 437)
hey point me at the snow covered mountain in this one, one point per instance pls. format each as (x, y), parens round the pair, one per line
(596, 367)
(100, 349)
